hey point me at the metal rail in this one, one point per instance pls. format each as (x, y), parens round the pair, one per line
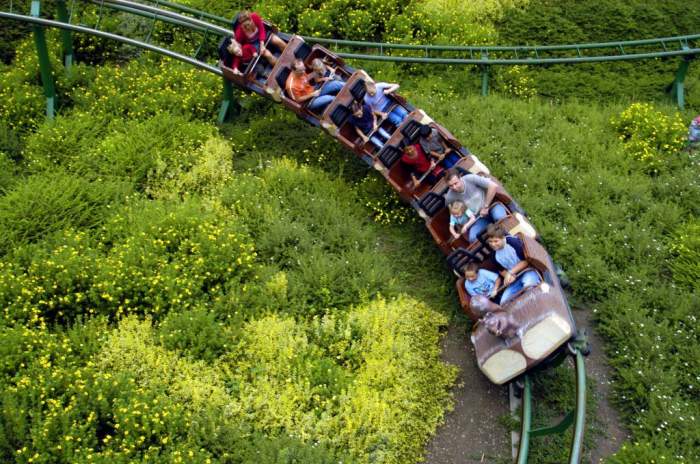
(483, 52)
(109, 35)
(576, 417)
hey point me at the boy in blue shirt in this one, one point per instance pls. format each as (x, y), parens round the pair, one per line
(480, 281)
(512, 262)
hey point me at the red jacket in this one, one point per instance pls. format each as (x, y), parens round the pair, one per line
(241, 36)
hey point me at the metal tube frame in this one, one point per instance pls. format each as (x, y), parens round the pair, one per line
(42, 52)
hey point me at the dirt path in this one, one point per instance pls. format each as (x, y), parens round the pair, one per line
(472, 432)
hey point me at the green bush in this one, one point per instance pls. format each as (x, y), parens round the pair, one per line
(650, 136)
(311, 228)
(46, 203)
(150, 258)
(172, 86)
(370, 382)
(685, 247)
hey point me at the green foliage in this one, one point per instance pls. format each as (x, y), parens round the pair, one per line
(382, 201)
(50, 202)
(151, 257)
(8, 173)
(172, 86)
(370, 382)
(308, 226)
(544, 22)
(650, 136)
(685, 246)
(146, 154)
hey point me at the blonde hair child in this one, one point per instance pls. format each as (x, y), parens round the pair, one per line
(461, 218)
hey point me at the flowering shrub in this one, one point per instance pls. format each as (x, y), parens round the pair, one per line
(649, 135)
(49, 202)
(172, 256)
(177, 87)
(369, 382)
(516, 82)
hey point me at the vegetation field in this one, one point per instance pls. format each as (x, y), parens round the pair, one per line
(177, 291)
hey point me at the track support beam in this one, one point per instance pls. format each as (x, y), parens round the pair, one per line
(228, 104)
(677, 87)
(42, 51)
(578, 348)
(66, 37)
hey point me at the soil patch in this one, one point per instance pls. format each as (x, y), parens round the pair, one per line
(472, 432)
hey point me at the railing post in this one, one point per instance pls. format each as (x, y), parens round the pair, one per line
(677, 87)
(44, 63)
(227, 103)
(484, 74)
(66, 37)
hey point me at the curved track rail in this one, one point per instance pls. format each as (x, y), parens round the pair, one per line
(576, 347)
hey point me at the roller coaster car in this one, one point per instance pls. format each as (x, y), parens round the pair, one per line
(338, 112)
(541, 315)
(256, 70)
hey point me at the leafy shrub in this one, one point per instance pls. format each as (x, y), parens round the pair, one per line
(172, 86)
(378, 392)
(8, 173)
(685, 247)
(151, 257)
(46, 203)
(323, 246)
(197, 333)
(649, 135)
(64, 141)
(515, 82)
(209, 172)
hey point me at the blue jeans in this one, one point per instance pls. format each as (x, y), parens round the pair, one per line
(327, 95)
(396, 115)
(527, 279)
(496, 213)
(379, 138)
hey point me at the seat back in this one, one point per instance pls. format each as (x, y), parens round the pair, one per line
(431, 203)
(340, 115)
(389, 155)
(459, 258)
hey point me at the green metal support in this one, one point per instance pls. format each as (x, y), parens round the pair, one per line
(484, 75)
(580, 422)
(677, 88)
(66, 37)
(484, 80)
(44, 63)
(526, 418)
(577, 417)
(227, 103)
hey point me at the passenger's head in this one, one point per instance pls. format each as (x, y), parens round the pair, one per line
(318, 66)
(371, 88)
(234, 48)
(457, 208)
(246, 21)
(496, 236)
(410, 150)
(454, 181)
(425, 131)
(471, 271)
(298, 67)
(357, 109)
